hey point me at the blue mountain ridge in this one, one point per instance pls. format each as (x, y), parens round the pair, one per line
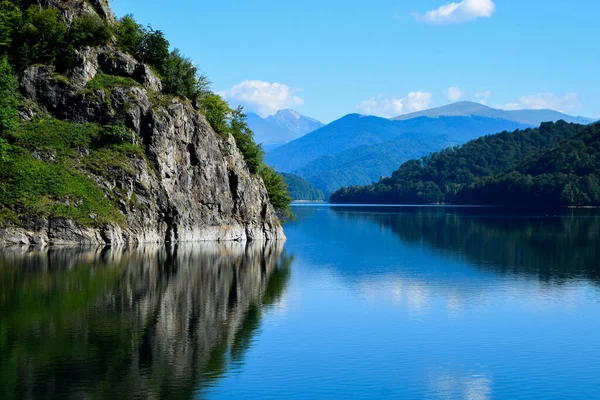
(358, 149)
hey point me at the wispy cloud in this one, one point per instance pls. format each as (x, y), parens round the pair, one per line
(454, 93)
(483, 96)
(540, 101)
(466, 10)
(386, 107)
(264, 98)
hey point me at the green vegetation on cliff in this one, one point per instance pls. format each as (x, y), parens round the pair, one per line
(557, 164)
(47, 166)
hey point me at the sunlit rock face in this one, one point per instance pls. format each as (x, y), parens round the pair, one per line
(151, 321)
(191, 184)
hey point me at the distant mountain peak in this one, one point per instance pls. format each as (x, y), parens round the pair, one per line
(458, 109)
(289, 116)
(280, 128)
(471, 109)
(288, 113)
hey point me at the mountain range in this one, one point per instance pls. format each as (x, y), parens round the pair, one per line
(358, 149)
(470, 109)
(555, 165)
(280, 128)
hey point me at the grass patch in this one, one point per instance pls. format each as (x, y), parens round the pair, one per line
(58, 78)
(48, 169)
(35, 187)
(53, 138)
(107, 82)
(161, 102)
(102, 160)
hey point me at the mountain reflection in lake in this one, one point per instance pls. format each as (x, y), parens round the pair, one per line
(557, 247)
(149, 322)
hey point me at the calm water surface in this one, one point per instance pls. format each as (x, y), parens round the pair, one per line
(360, 303)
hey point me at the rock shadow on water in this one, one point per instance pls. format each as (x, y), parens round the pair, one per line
(147, 322)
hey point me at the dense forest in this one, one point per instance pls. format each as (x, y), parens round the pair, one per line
(301, 189)
(36, 35)
(557, 164)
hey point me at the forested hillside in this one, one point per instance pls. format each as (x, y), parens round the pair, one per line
(568, 175)
(365, 164)
(301, 189)
(556, 164)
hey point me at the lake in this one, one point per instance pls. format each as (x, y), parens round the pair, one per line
(360, 303)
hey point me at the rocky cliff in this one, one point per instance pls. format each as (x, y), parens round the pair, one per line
(190, 185)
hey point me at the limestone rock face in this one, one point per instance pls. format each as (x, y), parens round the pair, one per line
(75, 8)
(193, 185)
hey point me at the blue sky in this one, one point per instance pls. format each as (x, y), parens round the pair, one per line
(328, 58)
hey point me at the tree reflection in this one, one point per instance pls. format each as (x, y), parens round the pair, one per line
(148, 322)
(552, 247)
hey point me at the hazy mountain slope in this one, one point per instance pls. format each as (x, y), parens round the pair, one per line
(280, 128)
(467, 108)
(366, 164)
(301, 189)
(355, 130)
(294, 122)
(345, 133)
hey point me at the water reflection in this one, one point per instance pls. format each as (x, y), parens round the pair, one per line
(554, 248)
(149, 322)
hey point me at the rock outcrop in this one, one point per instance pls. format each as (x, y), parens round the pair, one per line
(75, 8)
(192, 185)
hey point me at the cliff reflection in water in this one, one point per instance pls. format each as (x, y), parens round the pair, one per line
(150, 322)
(552, 247)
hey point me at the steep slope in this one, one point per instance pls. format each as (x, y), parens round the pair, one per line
(357, 130)
(281, 127)
(103, 155)
(363, 165)
(302, 190)
(353, 150)
(467, 108)
(347, 132)
(447, 176)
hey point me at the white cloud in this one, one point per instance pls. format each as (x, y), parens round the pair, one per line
(454, 93)
(551, 101)
(381, 107)
(417, 101)
(466, 10)
(262, 97)
(483, 96)
(391, 107)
